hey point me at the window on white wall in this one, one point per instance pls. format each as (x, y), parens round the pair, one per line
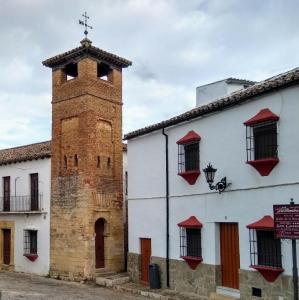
(188, 157)
(30, 243)
(268, 249)
(265, 249)
(190, 241)
(262, 142)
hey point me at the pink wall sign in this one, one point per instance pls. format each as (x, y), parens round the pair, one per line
(286, 221)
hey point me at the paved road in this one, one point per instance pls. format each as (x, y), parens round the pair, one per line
(23, 286)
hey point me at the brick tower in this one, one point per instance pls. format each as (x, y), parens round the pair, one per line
(86, 184)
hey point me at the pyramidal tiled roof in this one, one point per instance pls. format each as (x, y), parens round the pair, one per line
(86, 49)
(266, 86)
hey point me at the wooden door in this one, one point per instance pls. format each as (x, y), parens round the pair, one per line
(230, 257)
(146, 252)
(6, 246)
(100, 243)
(34, 191)
(6, 193)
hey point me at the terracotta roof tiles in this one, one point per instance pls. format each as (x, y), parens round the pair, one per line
(25, 153)
(86, 50)
(29, 152)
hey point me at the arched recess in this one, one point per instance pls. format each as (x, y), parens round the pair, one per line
(99, 229)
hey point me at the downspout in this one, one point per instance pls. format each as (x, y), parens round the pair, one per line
(167, 206)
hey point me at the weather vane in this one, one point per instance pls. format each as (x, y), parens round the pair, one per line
(85, 24)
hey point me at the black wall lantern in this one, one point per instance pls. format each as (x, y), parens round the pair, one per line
(210, 174)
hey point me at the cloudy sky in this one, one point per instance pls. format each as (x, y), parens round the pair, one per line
(175, 45)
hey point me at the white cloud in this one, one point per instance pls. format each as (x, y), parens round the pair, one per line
(14, 72)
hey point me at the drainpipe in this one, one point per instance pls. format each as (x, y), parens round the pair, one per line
(167, 206)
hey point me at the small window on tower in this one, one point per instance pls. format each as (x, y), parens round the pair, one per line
(104, 72)
(108, 162)
(71, 71)
(98, 162)
(76, 160)
(65, 162)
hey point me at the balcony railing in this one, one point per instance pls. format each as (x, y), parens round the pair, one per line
(21, 203)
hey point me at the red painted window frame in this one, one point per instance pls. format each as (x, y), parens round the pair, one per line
(268, 272)
(265, 165)
(191, 223)
(191, 175)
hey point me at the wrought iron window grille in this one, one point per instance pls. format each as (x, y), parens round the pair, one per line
(30, 242)
(188, 157)
(261, 140)
(190, 242)
(265, 250)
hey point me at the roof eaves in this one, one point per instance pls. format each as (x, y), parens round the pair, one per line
(19, 160)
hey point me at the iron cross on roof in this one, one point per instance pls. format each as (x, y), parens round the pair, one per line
(85, 24)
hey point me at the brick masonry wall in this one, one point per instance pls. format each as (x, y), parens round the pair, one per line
(86, 171)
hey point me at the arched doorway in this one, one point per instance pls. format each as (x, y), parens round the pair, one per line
(100, 243)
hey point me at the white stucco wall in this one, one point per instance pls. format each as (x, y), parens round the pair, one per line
(223, 143)
(40, 221)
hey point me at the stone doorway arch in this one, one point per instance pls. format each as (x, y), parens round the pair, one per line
(99, 229)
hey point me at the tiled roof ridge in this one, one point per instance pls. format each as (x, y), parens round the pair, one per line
(278, 81)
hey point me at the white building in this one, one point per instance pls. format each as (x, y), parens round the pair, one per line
(25, 174)
(198, 236)
(25, 185)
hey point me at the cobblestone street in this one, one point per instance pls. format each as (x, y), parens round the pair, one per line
(25, 287)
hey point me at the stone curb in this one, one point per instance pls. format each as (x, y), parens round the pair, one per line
(148, 294)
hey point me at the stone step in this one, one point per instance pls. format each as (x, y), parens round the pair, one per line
(104, 272)
(112, 279)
